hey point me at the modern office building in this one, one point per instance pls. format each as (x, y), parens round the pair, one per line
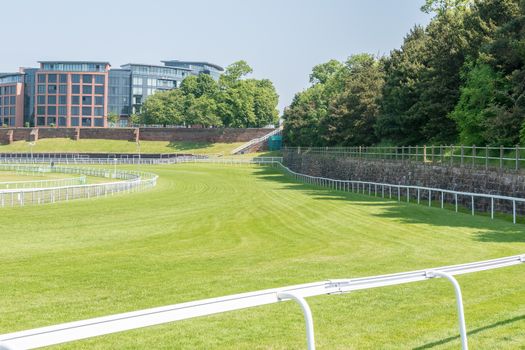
(83, 93)
(119, 95)
(147, 79)
(197, 68)
(11, 99)
(71, 94)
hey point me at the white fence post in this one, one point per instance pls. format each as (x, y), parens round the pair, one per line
(308, 319)
(459, 303)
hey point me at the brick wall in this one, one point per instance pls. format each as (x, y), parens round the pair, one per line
(147, 134)
(201, 135)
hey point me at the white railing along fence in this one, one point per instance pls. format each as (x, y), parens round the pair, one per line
(488, 157)
(131, 181)
(407, 192)
(418, 194)
(73, 331)
(385, 190)
(43, 183)
(256, 141)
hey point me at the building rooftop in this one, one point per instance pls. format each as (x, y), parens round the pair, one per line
(10, 74)
(76, 62)
(216, 66)
(152, 65)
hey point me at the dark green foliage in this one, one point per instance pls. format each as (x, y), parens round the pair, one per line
(340, 108)
(461, 78)
(398, 123)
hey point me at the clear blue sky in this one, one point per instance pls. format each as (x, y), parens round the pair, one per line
(281, 39)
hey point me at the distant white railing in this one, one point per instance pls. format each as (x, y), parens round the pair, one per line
(43, 183)
(393, 191)
(409, 193)
(73, 331)
(385, 190)
(131, 181)
(256, 141)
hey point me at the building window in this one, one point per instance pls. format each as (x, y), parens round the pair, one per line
(62, 121)
(62, 99)
(99, 100)
(51, 110)
(75, 78)
(99, 122)
(87, 78)
(87, 100)
(41, 78)
(75, 89)
(99, 90)
(51, 89)
(40, 121)
(41, 89)
(100, 79)
(75, 100)
(41, 110)
(51, 121)
(86, 121)
(51, 78)
(41, 99)
(51, 100)
(99, 111)
(75, 111)
(63, 78)
(62, 89)
(87, 111)
(62, 111)
(74, 121)
(87, 89)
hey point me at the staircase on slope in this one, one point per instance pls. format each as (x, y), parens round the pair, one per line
(256, 144)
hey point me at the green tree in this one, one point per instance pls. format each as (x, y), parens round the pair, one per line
(302, 118)
(323, 72)
(203, 112)
(353, 112)
(397, 123)
(113, 118)
(165, 108)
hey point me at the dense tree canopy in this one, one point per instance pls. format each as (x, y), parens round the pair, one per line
(459, 79)
(233, 101)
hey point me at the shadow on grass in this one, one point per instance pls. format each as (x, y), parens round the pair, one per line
(497, 230)
(472, 332)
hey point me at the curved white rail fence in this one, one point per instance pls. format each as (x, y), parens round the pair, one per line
(67, 332)
(64, 190)
(400, 192)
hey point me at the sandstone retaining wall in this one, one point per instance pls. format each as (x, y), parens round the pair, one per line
(500, 182)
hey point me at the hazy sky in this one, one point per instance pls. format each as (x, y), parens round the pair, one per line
(280, 39)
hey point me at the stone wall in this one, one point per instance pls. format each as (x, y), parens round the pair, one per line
(225, 135)
(506, 182)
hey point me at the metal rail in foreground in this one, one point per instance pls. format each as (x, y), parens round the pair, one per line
(68, 332)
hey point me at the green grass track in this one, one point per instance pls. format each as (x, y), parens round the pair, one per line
(212, 230)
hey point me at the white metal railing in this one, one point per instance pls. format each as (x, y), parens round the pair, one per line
(409, 193)
(131, 181)
(73, 331)
(256, 141)
(392, 191)
(385, 190)
(43, 183)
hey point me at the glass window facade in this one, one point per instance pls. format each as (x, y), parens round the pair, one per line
(71, 94)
